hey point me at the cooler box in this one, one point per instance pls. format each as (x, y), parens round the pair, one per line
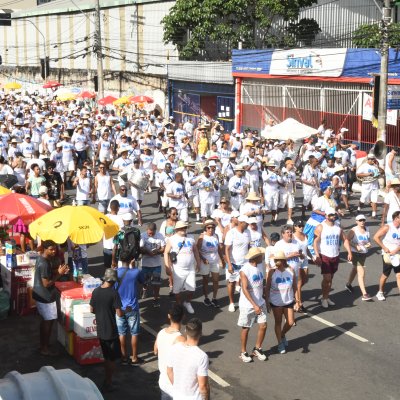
(71, 294)
(84, 321)
(87, 351)
(65, 338)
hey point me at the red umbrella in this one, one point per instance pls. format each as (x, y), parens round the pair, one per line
(51, 85)
(107, 100)
(87, 95)
(141, 99)
(15, 205)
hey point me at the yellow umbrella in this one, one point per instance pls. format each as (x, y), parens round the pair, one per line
(13, 85)
(82, 224)
(4, 190)
(66, 96)
(122, 100)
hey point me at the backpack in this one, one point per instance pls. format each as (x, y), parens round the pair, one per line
(130, 245)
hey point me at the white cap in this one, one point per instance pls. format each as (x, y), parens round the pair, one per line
(252, 220)
(235, 214)
(243, 218)
(337, 155)
(59, 144)
(330, 210)
(43, 190)
(27, 136)
(360, 217)
(212, 163)
(127, 216)
(343, 130)
(371, 156)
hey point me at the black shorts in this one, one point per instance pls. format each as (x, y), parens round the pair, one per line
(388, 268)
(111, 349)
(291, 305)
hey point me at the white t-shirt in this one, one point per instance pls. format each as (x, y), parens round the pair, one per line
(187, 362)
(288, 248)
(126, 204)
(183, 246)
(109, 243)
(394, 205)
(150, 243)
(255, 278)
(165, 341)
(176, 188)
(209, 248)
(239, 243)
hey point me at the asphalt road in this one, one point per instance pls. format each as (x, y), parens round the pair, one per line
(350, 351)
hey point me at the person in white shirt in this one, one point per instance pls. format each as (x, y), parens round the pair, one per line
(27, 147)
(237, 243)
(370, 187)
(270, 190)
(181, 259)
(252, 303)
(108, 244)
(83, 185)
(177, 196)
(391, 202)
(164, 180)
(310, 179)
(252, 168)
(104, 187)
(166, 338)
(206, 187)
(127, 204)
(287, 190)
(391, 165)
(152, 246)
(211, 257)
(238, 187)
(187, 366)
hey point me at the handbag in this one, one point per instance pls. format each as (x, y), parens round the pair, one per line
(173, 255)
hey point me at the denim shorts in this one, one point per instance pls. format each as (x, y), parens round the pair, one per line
(152, 275)
(129, 320)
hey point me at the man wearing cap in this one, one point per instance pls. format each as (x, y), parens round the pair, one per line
(37, 132)
(177, 196)
(388, 239)
(182, 260)
(370, 186)
(105, 303)
(391, 166)
(270, 190)
(252, 168)
(68, 153)
(252, 303)
(238, 186)
(228, 167)
(327, 238)
(391, 202)
(121, 165)
(164, 180)
(237, 243)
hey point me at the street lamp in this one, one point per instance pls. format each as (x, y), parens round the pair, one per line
(44, 46)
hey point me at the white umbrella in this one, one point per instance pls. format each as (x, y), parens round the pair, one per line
(291, 129)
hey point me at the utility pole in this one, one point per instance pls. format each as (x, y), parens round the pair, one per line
(99, 51)
(382, 109)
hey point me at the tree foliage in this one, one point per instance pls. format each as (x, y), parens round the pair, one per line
(369, 36)
(210, 29)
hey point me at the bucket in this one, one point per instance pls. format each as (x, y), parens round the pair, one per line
(49, 384)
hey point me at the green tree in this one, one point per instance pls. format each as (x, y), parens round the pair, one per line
(210, 29)
(369, 36)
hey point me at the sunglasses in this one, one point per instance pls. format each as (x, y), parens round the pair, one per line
(101, 167)
(210, 227)
(122, 190)
(361, 220)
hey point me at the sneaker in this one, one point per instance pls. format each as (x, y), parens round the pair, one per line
(207, 302)
(156, 303)
(330, 302)
(281, 348)
(214, 302)
(324, 303)
(188, 307)
(284, 341)
(349, 287)
(259, 354)
(245, 357)
(231, 307)
(366, 297)
(289, 222)
(139, 361)
(380, 296)
(124, 361)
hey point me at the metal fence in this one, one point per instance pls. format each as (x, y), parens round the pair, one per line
(339, 103)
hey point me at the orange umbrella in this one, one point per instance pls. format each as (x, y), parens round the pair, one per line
(141, 99)
(107, 100)
(87, 95)
(51, 85)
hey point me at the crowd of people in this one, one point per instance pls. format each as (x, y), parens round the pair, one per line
(230, 184)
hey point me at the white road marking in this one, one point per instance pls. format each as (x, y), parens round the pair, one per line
(217, 379)
(332, 325)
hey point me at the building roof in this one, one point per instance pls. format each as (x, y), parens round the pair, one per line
(69, 6)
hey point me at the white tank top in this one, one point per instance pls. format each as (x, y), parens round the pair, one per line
(103, 187)
(330, 240)
(281, 292)
(209, 248)
(393, 165)
(392, 237)
(360, 239)
(82, 189)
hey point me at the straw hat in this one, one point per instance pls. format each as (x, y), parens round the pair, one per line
(253, 196)
(181, 224)
(339, 169)
(395, 181)
(239, 168)
(254, 252)
(279, 255)
(122, 150)
(209, 222)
